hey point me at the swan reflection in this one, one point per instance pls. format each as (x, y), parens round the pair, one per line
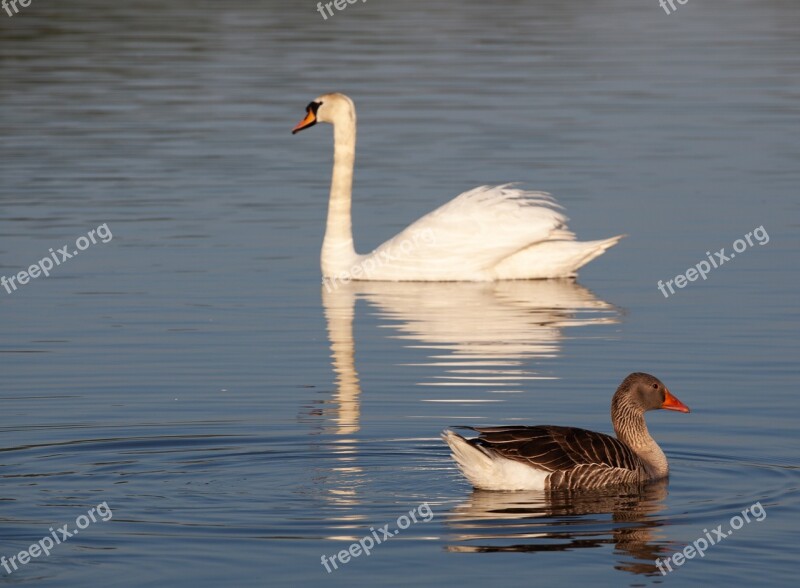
(560, 521)
(482, 335)
(476, 334)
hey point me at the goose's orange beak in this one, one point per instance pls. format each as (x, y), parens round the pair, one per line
(309, 121)
(672, 403)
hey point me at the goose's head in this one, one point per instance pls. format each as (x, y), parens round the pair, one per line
(642, 392)
(328, 108)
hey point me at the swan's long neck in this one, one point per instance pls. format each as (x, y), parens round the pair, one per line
(338, 252)
(631, 429)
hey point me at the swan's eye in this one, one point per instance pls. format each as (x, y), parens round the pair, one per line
(313, 107)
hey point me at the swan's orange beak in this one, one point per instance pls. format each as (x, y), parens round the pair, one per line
(309, 121)
(672, 403)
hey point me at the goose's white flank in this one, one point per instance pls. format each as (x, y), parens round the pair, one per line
(485, 234)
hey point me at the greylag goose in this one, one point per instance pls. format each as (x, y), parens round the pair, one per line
(548, 457)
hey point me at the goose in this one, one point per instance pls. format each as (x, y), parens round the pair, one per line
(485, 234)
(549, 457)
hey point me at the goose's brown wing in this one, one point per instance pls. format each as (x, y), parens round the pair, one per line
(576, 457)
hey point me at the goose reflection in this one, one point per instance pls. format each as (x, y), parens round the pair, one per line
(561, 521)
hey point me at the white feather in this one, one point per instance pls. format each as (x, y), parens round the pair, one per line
(488, 471)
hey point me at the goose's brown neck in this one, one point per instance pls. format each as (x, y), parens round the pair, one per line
(629, 425)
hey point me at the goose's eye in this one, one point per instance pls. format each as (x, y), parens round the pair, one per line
(655, 386)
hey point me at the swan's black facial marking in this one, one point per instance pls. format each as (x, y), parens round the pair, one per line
(311, 117)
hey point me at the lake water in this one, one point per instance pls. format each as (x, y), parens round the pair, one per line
(240, 422)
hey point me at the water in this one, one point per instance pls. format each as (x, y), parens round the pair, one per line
(241, 422)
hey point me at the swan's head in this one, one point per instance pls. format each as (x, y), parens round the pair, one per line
(328, 108)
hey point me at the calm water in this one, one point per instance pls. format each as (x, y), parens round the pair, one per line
(240, 422)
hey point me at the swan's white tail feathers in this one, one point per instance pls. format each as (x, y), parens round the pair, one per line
(605, 244)
(597, 248)
(552, 258)
(562, 234)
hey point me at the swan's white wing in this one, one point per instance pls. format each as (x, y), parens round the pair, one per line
(467, 237)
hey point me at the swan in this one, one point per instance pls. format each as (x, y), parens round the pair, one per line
(567, 458)
(485, 234)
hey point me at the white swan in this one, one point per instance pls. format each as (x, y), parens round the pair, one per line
(485, 234)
